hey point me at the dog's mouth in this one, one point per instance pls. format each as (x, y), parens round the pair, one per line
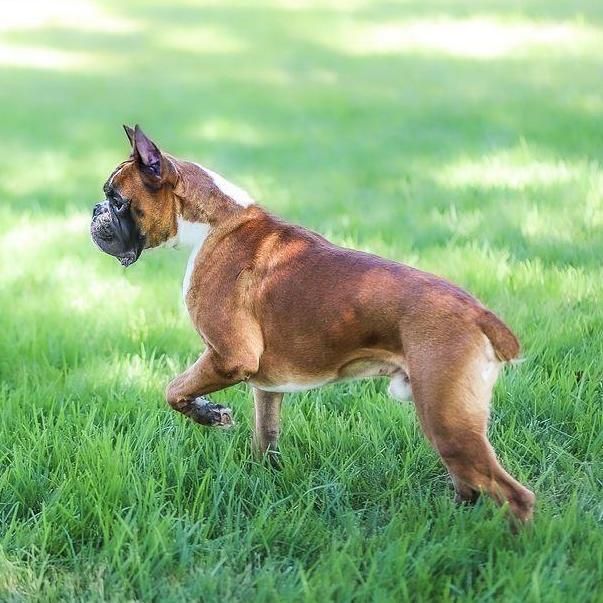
(116, 234)
(127, 260)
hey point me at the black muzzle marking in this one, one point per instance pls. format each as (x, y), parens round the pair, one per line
(115, 232)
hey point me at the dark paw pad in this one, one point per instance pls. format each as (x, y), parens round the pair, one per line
(204, 412)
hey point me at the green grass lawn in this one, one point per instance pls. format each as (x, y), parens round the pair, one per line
(469, 144)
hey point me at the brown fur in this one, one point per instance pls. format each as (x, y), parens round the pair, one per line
(278, 305)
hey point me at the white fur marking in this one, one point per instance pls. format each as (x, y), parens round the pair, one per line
(190, 234)
(490, 371)
(399, 388)
(490, 365)
(237, 194)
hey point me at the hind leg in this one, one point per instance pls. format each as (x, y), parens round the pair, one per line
(452, 398)
(474, 468)
(463, 493)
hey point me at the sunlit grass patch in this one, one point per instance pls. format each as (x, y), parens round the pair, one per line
(216, 131)
(42, 58)
(57, 178)
(36, 15)
(510, 170)
(201, 38)
(84, 15)
(481, 38)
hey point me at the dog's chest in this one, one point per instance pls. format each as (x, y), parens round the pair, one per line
(191, 235)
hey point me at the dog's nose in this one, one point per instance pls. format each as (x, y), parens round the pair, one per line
(96, 210)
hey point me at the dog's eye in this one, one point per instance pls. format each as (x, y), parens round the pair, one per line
(120, 205)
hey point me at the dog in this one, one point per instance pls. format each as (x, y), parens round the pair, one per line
(285, 310)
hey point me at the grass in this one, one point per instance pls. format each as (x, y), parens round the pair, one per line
(466, 144)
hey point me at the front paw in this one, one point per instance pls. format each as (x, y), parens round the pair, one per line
(204, 412)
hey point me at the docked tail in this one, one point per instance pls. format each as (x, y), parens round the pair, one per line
(503, 341)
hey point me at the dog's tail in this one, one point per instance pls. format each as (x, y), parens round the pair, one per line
(504, 342)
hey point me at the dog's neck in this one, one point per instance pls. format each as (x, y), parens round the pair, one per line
(206, 201)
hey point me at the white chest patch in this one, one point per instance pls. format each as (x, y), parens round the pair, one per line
(193, 235)
(237, 194)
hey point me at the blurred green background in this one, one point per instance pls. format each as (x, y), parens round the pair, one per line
(462, 137)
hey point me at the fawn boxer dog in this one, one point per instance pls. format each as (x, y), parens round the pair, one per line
(285, 310)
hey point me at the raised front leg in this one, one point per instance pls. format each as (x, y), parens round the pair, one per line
(209, 374)
(267, 422)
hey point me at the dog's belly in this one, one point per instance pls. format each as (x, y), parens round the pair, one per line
(288, 386)
(276, 378)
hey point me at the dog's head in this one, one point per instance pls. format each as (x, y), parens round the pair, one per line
(139, 209)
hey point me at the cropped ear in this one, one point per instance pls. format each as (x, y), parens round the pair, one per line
(129, 133)
(147, 154)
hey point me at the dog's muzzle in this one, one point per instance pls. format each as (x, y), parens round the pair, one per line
(115, 232)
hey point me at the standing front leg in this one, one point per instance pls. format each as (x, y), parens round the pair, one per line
(210, 373)
(267, 422)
